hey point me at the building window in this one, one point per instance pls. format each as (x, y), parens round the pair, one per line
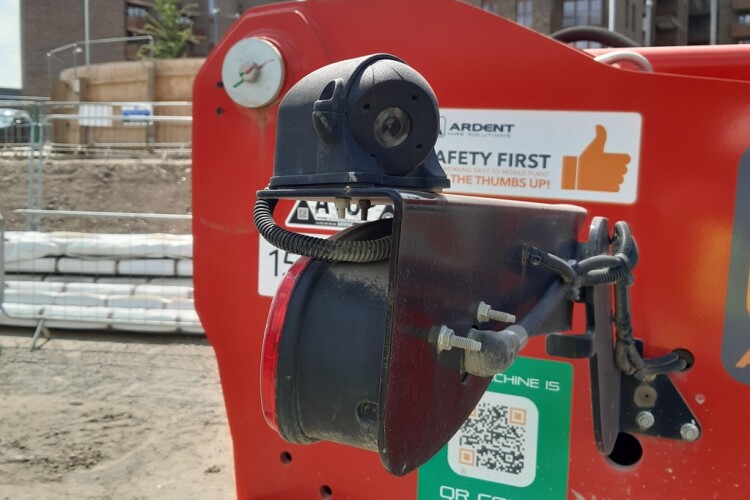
(523, 12)
(699, 29)
(133, 11)
(583, 13)
(490, 6)
(700, 6)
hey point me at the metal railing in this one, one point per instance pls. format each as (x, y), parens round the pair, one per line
(129, 289)
(67, 56)
(54, 129)
(105, 128)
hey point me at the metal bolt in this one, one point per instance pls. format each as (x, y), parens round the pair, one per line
(341, 205)
(364, 207)
(690, 432)
(447, 340)
(485, 313)
(645, 419)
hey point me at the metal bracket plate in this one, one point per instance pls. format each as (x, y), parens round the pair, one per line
(597, 345)
(618, 399)
(672, 417)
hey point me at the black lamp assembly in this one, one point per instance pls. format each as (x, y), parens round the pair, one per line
(382, 314)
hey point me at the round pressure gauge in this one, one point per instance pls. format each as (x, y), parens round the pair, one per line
(253, 72)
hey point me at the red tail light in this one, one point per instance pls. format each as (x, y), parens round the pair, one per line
(270, 352)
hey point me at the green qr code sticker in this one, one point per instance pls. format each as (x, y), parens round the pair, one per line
(514, 445)
(498, 441)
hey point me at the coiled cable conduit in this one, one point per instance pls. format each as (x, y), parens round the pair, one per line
(614, 270)
(327, 250)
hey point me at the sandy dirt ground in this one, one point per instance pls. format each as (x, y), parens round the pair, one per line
(103, 184)
(112, 416)
(108, 415)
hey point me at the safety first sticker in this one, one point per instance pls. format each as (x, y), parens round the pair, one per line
(558, 155)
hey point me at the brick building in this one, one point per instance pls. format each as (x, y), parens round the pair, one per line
(672, 22)
(548, 16)
(49, 24)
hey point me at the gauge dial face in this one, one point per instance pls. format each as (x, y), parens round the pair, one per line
(253, 72)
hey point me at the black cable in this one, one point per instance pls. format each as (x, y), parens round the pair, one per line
(538, 314)
(605, 270)
(598, 262)
(538, 257)
(327, 250)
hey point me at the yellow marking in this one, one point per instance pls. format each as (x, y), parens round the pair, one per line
(744, 361)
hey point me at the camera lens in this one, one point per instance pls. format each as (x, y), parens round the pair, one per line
(392, 127)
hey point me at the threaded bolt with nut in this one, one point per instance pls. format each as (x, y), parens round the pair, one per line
(447, 340)
(690, 432)
(485, 313)
(341, 205)
(645, 419)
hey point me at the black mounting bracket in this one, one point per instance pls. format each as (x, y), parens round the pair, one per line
(620, 402)
(656, 408)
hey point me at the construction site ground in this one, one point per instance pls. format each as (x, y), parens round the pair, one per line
(107, 415)
(152, 184)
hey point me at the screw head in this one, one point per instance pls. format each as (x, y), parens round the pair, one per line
(483, 311)
(444, 338)
(645, 419)
(690, 432)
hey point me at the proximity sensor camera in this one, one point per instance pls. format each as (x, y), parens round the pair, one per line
(367, 122)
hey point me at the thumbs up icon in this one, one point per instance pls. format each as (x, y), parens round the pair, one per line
(595, 169)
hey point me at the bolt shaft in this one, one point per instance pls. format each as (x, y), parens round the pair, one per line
(485, 313)
(465, 344)
(341, 205)
(502, 317)
(447, 340)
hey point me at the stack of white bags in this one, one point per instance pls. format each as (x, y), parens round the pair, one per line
(140, 282)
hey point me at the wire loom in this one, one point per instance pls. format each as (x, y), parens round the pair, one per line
(317, 248)
(616, 270)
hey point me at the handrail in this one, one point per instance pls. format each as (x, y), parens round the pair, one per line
(87, 213)
(101, 40)
(148, 118)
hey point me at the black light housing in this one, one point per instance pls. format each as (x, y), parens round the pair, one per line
(355, 360)
(359, 346)
(352, 351)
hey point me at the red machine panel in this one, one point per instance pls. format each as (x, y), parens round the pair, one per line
(692, 134)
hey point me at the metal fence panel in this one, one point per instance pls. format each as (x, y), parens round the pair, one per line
(78, 264)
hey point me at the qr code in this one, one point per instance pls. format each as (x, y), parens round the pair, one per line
(498, 442)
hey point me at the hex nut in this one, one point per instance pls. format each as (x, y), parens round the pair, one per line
(690, 432)
(645, 420)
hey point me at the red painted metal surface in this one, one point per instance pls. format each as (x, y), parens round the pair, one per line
(694, 131)
(715, 61)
